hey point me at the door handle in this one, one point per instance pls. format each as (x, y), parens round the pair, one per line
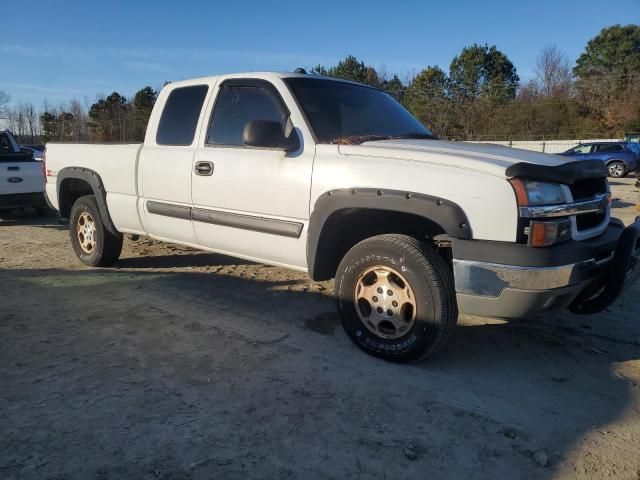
(13, 169)
(204, 168)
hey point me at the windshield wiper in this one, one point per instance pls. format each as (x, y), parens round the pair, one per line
(360, 139)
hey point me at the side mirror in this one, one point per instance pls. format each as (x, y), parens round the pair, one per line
(268, 134)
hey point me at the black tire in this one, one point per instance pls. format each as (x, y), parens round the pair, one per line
(617, 169)
(105, 246)
(431, 281)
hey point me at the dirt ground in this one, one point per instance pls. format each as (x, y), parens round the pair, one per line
(178, 364)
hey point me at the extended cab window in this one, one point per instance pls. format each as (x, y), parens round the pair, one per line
(238, 105)
(180, 115)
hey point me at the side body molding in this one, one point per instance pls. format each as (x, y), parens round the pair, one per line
(94, 180)
(443, 212)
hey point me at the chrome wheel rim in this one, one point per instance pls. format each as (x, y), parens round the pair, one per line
(385, 302)
(86, 232)
(616, 170)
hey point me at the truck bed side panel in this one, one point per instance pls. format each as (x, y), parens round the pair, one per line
(117, 167)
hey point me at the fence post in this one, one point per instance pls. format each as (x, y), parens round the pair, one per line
(544, 146)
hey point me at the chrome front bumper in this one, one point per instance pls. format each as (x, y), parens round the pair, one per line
(586, 285)
(512, 291)
(491, 279)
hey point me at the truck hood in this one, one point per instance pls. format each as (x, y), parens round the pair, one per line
(482, 157)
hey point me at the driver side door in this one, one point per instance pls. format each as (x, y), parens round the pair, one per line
(251, 202)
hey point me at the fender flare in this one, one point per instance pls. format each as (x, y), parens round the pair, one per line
(445, 213)
(95, 182)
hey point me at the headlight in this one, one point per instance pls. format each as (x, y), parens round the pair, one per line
(533, 193)
(541, 232)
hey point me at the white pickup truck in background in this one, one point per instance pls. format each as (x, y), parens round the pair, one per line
(21, 177)
(337, 179)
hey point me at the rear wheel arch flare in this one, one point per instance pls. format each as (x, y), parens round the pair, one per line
(74, 182)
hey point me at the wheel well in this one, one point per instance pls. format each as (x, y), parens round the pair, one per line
(70, 190)
(347, 227)
(617, 160)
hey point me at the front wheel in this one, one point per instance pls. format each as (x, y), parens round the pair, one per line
(617, 169)
(92, 242)
(396, 298)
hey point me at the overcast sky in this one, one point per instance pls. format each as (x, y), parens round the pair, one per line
(60, 50)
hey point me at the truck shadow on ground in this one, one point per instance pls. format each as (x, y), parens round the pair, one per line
(525, 385)
(180, 261)
(617, 203)
(28, 216)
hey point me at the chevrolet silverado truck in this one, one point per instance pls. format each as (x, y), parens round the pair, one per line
(21, 177)
(337, 179)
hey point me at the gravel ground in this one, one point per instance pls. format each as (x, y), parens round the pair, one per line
(178, 364)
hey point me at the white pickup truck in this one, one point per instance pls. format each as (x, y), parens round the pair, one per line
(338, 180)
(21, 177)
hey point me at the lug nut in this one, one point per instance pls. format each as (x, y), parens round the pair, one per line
(379, 289)
(389, 292)
(375, 299)
(394, 303)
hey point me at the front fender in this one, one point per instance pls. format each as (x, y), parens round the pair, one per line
(445, 213)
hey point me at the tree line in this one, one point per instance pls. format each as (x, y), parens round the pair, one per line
(480, 96)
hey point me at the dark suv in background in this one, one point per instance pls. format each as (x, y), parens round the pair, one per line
(621, 157)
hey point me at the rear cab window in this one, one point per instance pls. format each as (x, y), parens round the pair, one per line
(179, 118)
(10, 151)
(5, 144)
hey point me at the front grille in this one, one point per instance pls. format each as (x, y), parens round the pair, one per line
(589, 220)
(588, 188)
(585, 190)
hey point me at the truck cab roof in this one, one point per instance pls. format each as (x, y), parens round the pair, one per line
(260, 75)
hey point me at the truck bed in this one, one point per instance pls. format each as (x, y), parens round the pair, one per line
(116, 164)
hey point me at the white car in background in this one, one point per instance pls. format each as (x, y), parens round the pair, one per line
(21, 177)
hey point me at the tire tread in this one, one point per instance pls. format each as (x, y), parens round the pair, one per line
(111, 243)
(433, 266)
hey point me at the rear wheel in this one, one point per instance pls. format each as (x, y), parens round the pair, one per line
(93, 244)
(396, 298)
(617, 169)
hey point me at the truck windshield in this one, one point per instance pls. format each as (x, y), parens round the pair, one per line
(347, 113)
